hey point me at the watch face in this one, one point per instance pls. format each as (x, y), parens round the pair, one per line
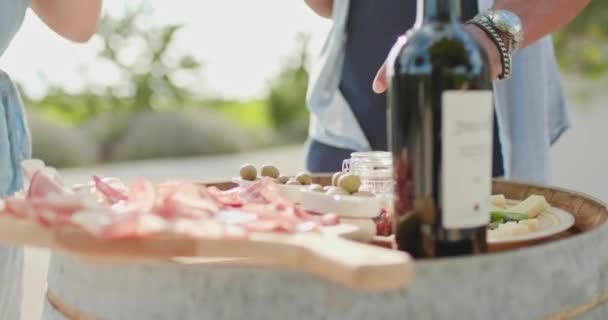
(508, 22)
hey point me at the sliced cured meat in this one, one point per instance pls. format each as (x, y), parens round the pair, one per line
(187, 200)
(236, 217)
(269, 226)
(95, 221)
(136, 225)
(18, 207)
(112, 194)
(330, 219)
(106, 208)
(31, 166)
(45, 182)
(142, 195)
(262, 191)
(228, 198)
(198, 228)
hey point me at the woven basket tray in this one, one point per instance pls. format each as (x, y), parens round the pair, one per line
(589, 213)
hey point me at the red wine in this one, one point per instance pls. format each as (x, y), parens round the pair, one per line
(440, 124)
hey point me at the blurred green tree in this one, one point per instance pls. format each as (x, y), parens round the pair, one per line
(141, 54)
(581, 46)
(147, 75)
(287, 95)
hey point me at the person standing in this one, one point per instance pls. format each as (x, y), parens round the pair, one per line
(15, 144)
(348, 113)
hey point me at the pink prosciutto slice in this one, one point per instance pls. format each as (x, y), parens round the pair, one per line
(31, 166)
(45, 182)
(112, 194)
(186, 200)
(137, 225)
(142, 195)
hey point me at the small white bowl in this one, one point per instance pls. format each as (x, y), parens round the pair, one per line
(289, 192)
(342, 205)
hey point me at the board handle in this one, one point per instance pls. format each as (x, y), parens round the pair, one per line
(352, 264)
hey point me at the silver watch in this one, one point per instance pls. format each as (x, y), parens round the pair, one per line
(509, 24)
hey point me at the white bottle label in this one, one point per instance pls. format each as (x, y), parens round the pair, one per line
(467, 121)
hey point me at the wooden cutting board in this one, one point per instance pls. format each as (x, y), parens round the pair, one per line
(329, 255)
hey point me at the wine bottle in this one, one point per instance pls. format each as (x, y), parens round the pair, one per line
(440, 124)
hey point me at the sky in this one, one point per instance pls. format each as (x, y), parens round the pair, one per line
(241, 43)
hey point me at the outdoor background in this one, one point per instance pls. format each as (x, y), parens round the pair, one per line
(182, 79)
(193, 89)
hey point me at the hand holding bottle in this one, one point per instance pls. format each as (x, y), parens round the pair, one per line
(380, 82)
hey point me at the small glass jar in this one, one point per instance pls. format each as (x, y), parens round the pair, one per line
(375, 169)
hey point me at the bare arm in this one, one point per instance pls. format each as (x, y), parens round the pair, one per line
(323, 8)
(542, 17)
(75, 20)
(539, 18)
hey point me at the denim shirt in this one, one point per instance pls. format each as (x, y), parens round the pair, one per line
(530, 106)
(14, 147)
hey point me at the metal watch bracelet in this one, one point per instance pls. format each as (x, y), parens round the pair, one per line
(490, 30)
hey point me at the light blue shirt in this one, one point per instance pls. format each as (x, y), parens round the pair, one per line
(530, 106)
(14, 147)
(11, 18)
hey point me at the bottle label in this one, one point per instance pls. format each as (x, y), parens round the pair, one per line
(467, 126)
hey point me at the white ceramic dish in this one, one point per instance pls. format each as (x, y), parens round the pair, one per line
(289, 192)
(342, 205)
(550, 222)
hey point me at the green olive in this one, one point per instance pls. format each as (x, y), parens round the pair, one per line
(335, 177)
(283, 179)
(349, 182)
(305, 178)
(293, 182)
(316, 188)
(336, 191)
(248, 172)
(363, 194)
(269, 171)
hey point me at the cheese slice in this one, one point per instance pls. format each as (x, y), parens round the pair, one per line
(498, 201)
(531, 223)
(532, 206)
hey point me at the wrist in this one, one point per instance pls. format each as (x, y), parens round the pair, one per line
(490, 48)
(504, 28)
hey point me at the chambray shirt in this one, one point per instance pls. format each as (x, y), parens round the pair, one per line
(14, 147)
(530, 106)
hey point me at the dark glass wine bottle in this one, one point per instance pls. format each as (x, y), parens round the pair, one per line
(440, 124)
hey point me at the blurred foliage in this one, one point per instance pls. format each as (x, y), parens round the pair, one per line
(148, 115)
(180, 133)
(148, 74)
(141, 55)
(287, 95)
(582, 46)
(249, 114)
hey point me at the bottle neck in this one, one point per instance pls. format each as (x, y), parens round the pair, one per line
(437, 11)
